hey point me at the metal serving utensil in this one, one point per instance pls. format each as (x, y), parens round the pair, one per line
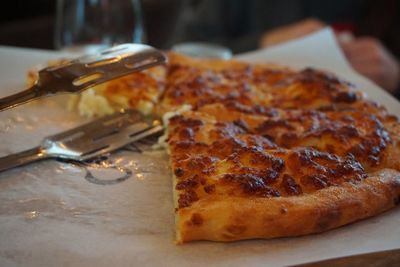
(89, 140)
(79, 74)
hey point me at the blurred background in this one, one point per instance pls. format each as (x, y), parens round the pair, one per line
(367, 30)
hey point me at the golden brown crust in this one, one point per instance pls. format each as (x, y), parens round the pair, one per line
(235, 218)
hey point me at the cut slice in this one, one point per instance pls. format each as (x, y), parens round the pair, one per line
(139, 91)
(231, 184)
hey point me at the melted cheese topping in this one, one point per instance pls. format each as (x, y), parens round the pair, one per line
(346, 132)
(214, 157)
(197, 85)
(258, 131)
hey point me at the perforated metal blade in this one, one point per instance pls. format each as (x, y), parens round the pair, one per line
(89, 140)
(101, 136)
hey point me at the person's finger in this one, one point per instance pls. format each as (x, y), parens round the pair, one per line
(370, 73)
(365, 53)
(371, 59)
(354, 49)
(362, 46)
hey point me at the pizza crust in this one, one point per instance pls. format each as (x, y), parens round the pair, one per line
(216, 64)
(235, 218)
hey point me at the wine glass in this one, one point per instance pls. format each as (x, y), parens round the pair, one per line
(91, 25)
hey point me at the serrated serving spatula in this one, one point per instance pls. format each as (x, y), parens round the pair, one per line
(79, 74)
(89, 140)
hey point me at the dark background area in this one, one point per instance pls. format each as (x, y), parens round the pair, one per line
(237, 24)
(28, 23)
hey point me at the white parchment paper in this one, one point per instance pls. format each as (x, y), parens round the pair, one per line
(53, 214)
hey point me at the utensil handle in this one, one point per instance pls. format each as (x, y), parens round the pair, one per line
(21, 158)
(20, 98)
